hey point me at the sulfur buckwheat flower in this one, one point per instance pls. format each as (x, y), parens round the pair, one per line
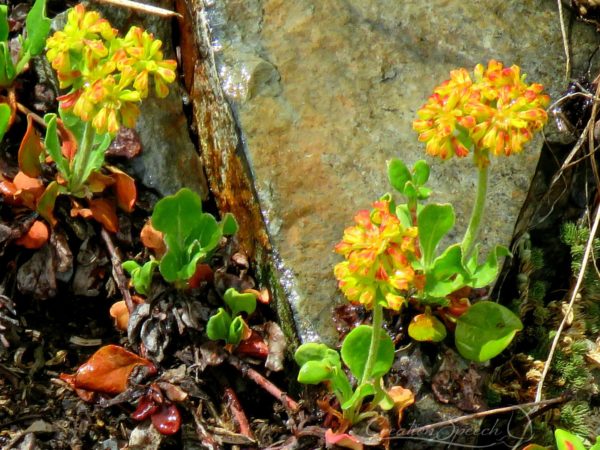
(377, 251)
(108, 76)
(494, 112)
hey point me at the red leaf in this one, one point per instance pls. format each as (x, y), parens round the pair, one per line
(30, 150)
(167, 419)
(146, 407)
(255, 346)
(36, 236)
(125, 189)
(108, 370)
(203, 273)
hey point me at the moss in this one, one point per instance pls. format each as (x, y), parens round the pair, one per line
(573, 417)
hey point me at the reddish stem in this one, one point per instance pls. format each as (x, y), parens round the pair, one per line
(239, 416)
(252, 374)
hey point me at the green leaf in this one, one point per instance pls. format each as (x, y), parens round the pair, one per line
(218, 326)
(403, 214)
(4, 119)
(487, 272)
(190, 234)
(238, 302)
(141, 276)
(229, 225)
(485, 330)
(421, 172)
(410, 190)
(45, 205)
(313, 351)
(596, 446)
(38, 27)
(426, 328)
(398, 174)
(434, 221)
(567, 441)
(423, 193)
(362, 391)
(315, 372)
(447, 273)
(8, 72)
(3, 23)
(236, 329)
(177, 214)
(52, 145)
(355, 350)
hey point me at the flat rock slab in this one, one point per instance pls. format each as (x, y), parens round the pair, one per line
(325, 92)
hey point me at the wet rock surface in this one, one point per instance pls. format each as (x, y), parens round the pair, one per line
(325, 92)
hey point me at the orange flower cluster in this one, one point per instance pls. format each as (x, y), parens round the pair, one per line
(377, 266)
(494, 112)
(107, 75)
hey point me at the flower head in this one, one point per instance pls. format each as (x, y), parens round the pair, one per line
(377, 251)
(495, 112)
(107, 75)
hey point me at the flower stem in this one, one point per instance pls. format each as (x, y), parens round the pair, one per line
(82, 158)
(374, 347)
(476, 214)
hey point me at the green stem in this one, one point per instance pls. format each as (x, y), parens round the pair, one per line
(374, 346)
(82, 157)
(476, 214)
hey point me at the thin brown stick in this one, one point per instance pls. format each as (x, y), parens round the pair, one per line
(117, 270)
(239, 416)
(563, 33)
(140, 7)
(478, 415)
(36, 118)
(252, 374)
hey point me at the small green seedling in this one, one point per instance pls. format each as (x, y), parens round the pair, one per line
(321, 364)
(228, 324)
(191, 236)
(141, 276)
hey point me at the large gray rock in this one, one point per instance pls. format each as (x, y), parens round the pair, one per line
(325, 92)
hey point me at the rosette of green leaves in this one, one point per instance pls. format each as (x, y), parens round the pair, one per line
(448, 270)
(228, 324)
(191, 235)
(319, 363)
(31, 43)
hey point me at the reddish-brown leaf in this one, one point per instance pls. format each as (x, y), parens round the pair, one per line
(255, 346)
(8, 191)
(36, 236)
(29, 189)
(167, 419)
(153, 239)
(125, 189)
(108, 370)
(402, 398)
(203, 273)
(98, 182)
(30, 150)
(101, 210)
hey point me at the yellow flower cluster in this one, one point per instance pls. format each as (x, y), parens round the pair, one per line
(108, 76)
(494, 112)
(377, 266)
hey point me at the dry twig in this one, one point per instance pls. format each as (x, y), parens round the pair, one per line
(117, 270)
(140, 7)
